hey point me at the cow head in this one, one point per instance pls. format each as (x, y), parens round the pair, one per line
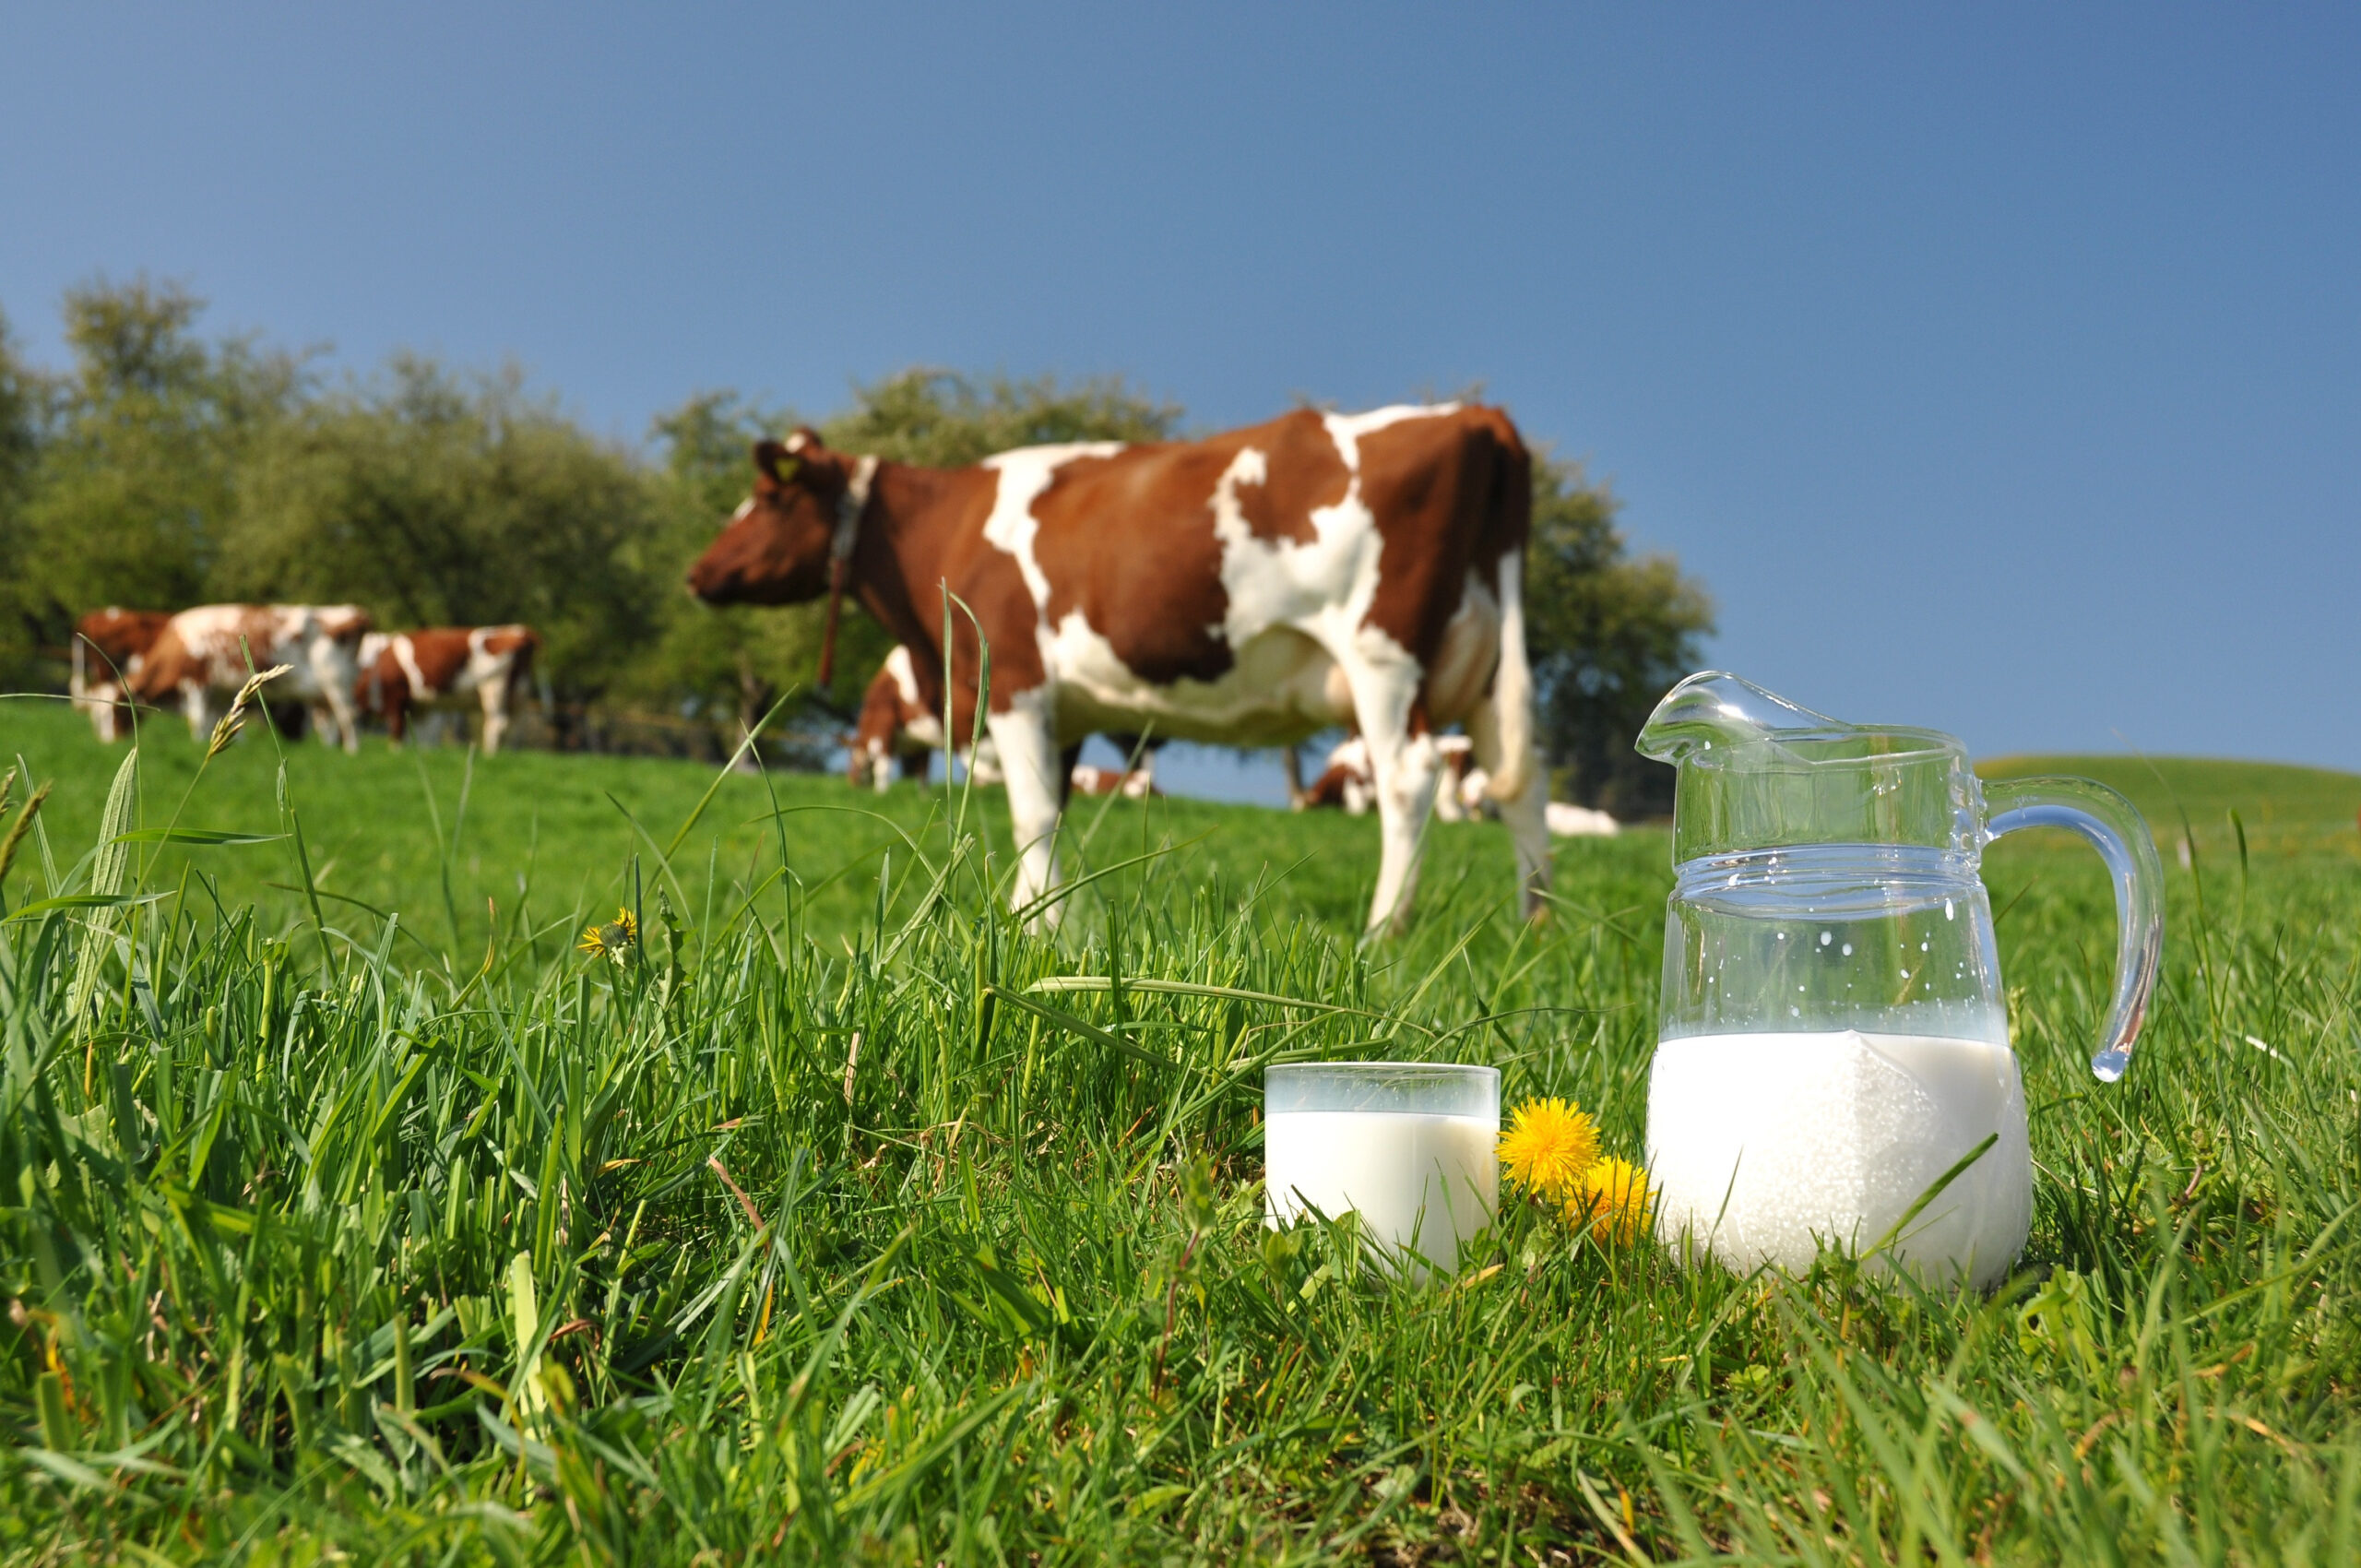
(775, 549)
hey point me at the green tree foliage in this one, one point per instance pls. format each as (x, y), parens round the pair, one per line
(1607, 633)
(22, 399)
(138, 473)
(946, 420)
(434, 499)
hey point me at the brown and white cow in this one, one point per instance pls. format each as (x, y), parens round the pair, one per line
(446, 669)
(1348, 780)
(896, 729)
(110, 649)
(203, 653)
(1251, 589)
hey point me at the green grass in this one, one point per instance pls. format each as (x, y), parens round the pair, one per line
(2277, 803)
(456, 1245)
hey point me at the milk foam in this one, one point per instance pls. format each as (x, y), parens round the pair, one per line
(1759, 1142)
(1407, 1173)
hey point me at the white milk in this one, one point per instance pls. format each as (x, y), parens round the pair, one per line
(1758, 1141)
(1406, 1173)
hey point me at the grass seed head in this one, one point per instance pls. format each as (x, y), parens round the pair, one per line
(226, 730)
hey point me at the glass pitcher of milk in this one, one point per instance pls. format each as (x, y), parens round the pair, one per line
(1834, 1039)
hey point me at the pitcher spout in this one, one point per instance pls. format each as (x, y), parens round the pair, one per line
(1715, 708)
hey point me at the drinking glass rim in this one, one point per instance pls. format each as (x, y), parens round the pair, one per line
(1453, 1068)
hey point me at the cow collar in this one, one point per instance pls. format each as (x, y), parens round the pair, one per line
(850, 507)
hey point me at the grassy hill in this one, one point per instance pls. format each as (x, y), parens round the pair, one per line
(455, 844)
(2278, 802)
(845, 1220)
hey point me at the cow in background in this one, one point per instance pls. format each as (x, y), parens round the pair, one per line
(1132, 783)
(111, 647)
(895, 732)
(204, 653)
(447, 668)
(1251, 589)
(1347, 781)
(1464, 794)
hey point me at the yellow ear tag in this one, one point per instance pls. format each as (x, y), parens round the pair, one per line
(786, 471)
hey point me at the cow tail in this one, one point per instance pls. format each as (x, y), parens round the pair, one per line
(1513, 688)
(522, 669)
(1512, 679)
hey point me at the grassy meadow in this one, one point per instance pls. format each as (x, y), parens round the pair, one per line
(351, 1212)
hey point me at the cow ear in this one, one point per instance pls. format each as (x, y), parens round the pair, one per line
(774, 462)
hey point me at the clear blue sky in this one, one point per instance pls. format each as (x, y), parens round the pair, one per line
(1998, 368)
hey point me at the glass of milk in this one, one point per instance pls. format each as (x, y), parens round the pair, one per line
(1832, 1062)
(1408, 1145)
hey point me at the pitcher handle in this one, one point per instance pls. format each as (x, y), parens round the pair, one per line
(2117, 831)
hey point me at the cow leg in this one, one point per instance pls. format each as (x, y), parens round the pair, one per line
(1406, 761)
(494, 696)
(197, 705)
(348, 727)
(1526, 817)
(1029, 757)
(104, 718)
(1447, 806)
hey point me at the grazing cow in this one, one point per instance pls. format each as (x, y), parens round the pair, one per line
(447, 668)
(1133, 784)
(895, 727)
(110, 648)
(204, 651)
(1251, 589)
(1348, 780)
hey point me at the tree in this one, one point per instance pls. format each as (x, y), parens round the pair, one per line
(436, 499)
(945, 419)
(138, 477)
(23, 397)
(1608, 634)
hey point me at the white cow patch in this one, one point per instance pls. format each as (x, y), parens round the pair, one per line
(920, 725)
(1024, 475)
(906, 679)
(1346, 430)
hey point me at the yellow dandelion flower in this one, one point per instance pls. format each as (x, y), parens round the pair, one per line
(1548, 1146)
(610, 939)
(1612, 1199)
